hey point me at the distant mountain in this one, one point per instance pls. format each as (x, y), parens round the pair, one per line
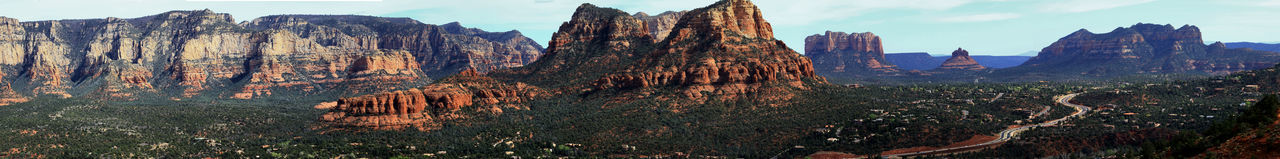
(923, 61)
(914, 61)
(1138, 49)
(1000, 61)
(1255, 46)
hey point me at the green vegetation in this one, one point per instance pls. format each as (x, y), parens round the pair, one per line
(860, 120)
(1169, 119)
(1191, 144)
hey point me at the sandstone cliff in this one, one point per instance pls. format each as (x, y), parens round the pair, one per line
(440, 49)
(423, 108)
(1144, 48)
(725, 49)
(660, 25)
(839, 52)
(184, 54)
(960, 60)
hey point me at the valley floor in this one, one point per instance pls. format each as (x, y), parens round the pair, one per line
(864, 120)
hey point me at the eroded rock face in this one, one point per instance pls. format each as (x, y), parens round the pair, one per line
(7, 95)
(660, 25)
(960, 60)
(1145, 48)
(723, 49)
(440, 49)
(595, 41)
(203, 53)
(839, 52)
(422, 108)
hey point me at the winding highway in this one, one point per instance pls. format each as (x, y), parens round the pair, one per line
(1007, 134)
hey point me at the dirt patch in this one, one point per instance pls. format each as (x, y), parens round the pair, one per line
(326, 105)
(833, 155)
(976, 139)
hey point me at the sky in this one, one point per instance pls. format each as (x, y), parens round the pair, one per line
(984, 27)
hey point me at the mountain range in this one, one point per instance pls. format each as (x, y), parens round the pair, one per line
(696, 83)
(1141, 49)
(1273, 47)
(185, 54)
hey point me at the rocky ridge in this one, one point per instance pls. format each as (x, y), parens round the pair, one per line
(725, 49)
(1145, 48)
(203, 53)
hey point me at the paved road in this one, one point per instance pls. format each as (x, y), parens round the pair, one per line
(1011, 133)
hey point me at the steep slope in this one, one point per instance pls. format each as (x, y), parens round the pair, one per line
(660, 25)
(594, 42)
(1142, 49)
(183, 54)
(1262, 142)
(839, 53)
(960, 60)
(725, 49)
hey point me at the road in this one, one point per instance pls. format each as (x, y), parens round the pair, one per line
(1007, 134)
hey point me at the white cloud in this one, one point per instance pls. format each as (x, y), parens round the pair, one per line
(980, 17)
(1075, 6)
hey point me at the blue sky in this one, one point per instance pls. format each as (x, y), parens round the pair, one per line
(984, 27)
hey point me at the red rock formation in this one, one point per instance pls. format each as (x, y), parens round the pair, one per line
(424, 107)
(960, 60)
(7, 96)
(839, 52)
(724, 49)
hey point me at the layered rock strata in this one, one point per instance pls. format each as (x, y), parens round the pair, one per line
(422, 108)
(725, 49)
(660, 25)
(839, 52)
(183, 54)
